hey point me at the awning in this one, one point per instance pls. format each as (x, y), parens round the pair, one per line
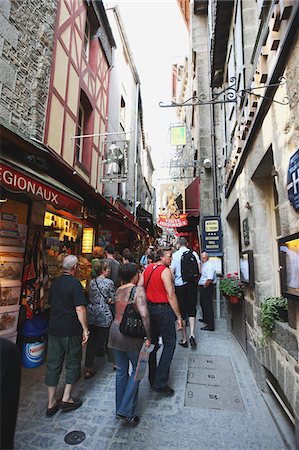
(192, 193)
(39, 186)
(129, 219)
(145, 220)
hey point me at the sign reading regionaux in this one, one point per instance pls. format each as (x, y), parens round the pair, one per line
(293, 180)
(172, 222)
(19, 182)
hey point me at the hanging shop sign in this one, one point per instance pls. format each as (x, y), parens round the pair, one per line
(19, 182)
(178, 135)
(212, 235)
(170, 215)
(293, 180)
(172, 222)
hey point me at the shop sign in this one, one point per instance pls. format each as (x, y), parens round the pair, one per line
(293, 180)
(178, 135)
(212, 235)
(246, 235)
(113, 179)
(172, 222)
(19, 182)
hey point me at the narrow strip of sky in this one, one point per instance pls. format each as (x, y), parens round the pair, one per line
(157, 38)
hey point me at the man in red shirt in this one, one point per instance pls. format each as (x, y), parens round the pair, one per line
(164, 312)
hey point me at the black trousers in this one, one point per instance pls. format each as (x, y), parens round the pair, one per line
(10, 391)
(97, 342)
(206, 303)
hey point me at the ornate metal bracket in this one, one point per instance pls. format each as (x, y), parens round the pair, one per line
(280, 82)
(228, 95)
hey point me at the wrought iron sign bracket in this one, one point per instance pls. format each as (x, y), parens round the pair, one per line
(228, 95)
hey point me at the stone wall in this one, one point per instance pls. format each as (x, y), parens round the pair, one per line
(203, 114)
(278, 134)
(254, 194)
(26, 41)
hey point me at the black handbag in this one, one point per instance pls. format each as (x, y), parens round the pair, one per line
(131, 324)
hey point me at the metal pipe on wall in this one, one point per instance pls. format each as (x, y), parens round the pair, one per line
(136, 150)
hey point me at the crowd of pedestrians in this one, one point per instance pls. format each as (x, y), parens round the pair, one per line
(163, 287)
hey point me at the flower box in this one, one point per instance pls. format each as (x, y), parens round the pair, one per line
(231, 287)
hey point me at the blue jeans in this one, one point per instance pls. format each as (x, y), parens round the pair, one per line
(126, 387)
(162, 324)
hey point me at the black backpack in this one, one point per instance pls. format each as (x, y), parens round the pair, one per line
(189, 267)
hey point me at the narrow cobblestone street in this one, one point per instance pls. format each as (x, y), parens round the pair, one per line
(231, 414)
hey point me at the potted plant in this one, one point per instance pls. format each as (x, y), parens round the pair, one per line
(232, 287)
(272, 308)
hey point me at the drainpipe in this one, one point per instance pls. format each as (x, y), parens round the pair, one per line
(136, 149)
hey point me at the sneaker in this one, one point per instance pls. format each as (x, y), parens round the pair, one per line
(133, 420)
(128, 420)
(192, 342)
(165, 390)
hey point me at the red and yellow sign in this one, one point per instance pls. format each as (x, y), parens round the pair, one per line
(172, 222)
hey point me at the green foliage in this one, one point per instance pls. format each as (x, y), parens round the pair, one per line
(231, 285)
(271, 310)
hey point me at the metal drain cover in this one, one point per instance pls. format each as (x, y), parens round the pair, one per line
(74, 437)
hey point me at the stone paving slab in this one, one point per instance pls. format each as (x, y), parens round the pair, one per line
(166, 423)
(210, 377)
(210, 362)
(214, 397)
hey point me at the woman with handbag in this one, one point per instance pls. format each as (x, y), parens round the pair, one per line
(125, 348)
(101, 296)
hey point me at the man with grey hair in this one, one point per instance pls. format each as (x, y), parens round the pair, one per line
(68, 330)
(186, 291)
(206, 289)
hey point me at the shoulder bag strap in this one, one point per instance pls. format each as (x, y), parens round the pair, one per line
(132, 294)
(145, 288)
(106, 298)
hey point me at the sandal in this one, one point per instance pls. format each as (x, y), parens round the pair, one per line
(89, 373)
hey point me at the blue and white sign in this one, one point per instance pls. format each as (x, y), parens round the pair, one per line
(212, 236)
(293, 180)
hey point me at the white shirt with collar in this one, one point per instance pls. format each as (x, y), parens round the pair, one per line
(176, 265)
(207, 273)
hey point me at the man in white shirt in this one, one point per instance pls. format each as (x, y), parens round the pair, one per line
(206, 289)
(186, 293)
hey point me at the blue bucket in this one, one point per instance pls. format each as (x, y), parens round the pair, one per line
(34, 342)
